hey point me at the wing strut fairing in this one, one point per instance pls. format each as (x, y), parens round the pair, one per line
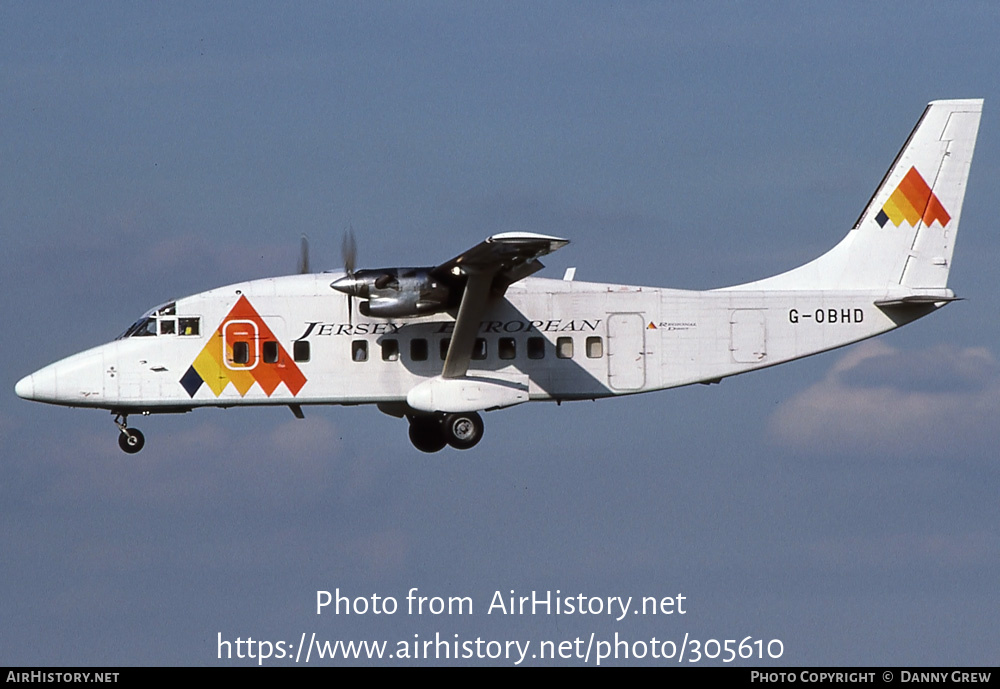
(477, 292)
(489, 268)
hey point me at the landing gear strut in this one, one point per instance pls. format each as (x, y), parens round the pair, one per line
(130, 440)
(431, 432)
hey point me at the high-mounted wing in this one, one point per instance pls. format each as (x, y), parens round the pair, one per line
(488, 268)
(509, 257)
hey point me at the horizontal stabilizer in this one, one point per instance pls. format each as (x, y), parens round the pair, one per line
(917, 300)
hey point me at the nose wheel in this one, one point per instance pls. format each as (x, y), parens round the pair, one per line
(130, 440)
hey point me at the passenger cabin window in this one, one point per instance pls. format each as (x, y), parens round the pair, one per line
(418, 349)
(300, 350)
(359, 350)
(390, 350)
(564, 347)
(269, 352)
(241, 352)
(479, 349)
(536, 347)
(507, 348)
(595, 348)
(445, 343)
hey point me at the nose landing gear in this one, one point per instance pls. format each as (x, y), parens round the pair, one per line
(131, 440)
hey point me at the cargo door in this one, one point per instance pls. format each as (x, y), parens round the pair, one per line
(748, 336)
(626, 351)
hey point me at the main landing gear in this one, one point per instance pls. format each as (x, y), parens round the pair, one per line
(431, 432)
(130, 440)
(428, 432)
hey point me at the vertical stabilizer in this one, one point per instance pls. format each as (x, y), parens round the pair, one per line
(905, 236)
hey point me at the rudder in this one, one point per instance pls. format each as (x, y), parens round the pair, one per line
(931, 190)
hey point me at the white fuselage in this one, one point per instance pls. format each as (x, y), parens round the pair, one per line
(596, 340)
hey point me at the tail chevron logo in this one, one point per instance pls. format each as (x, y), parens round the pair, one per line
(243, 351)
(912, 201)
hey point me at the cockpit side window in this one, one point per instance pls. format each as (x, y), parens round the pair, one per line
(134, 329)
(168, 324)
(145, 327)
(189, 326)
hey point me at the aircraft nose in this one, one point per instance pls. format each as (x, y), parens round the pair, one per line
(70, 381)
(25, 388)
(39, 386)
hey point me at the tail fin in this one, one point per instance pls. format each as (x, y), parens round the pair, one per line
(904, 238)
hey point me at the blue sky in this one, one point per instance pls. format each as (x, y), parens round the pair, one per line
(845, 504)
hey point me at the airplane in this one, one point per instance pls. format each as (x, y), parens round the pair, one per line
(438, 345)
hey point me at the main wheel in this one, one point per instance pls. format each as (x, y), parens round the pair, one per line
(426, 434)
(131, 440)
(463, 430)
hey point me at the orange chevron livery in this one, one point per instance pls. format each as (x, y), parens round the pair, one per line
(913, 201)
(234, 355)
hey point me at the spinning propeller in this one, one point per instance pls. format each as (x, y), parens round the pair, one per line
(348, 284)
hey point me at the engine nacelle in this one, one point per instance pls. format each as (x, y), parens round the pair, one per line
(396, 292)
(407, 304)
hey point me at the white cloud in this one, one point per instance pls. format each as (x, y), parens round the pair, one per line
(883, 401)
